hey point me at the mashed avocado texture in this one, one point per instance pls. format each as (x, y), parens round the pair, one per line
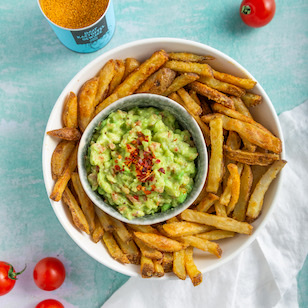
(141, 162)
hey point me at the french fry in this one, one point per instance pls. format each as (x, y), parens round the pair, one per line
(158, 82)
(249, 131)
(212, 94)
(143, 228)
(183, 228)
(148, 251)
(204, 128)
(207, 202)
(256, 199)
(172, 219)
(220, 209)
(158, 268)
(66, 133)
(147, 267)
(179, 82)
(159, 242)
(62, 180)
(205, 104)
(129, 249)
(104, 219)
(233, 140)
(130, 65)
(60, 157)
(77, 214)
(135, 79)
(250, 158)
(190, 67)
(215, 235)
(189, 57)
(216, 160)
(235, 186)
(223, 223)
(251, 99)
(98, 231)
(120, 229)
(194, 274)
(240, 106)
(69, 113)
(202, 244)
(176, 97)
(192, 107)
(113, 248)
(222, 86)
(195, 97)
(244, 83)
(239, 212)
(179, 264)
(105, 76)
(86, 102)
(167, 261)
(118, 76)
(85, 202)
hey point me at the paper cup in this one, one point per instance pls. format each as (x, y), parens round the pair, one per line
(90, 38)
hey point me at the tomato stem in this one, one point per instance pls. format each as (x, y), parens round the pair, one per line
(246, 9)
(13, 275)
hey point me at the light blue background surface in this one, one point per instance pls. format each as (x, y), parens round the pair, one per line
(34, 69)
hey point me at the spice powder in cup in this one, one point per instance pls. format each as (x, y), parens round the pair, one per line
(81, 25)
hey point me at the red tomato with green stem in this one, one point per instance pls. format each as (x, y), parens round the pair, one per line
(257, 13)
(8, 277)
(49, 274)
(49, 303)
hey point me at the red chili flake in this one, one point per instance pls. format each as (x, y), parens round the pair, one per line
(147, 192)
(176, 149)
(157, 161)
(175, 139)
(116, 161)
(162, 170)
(117, 168)
(136, 197)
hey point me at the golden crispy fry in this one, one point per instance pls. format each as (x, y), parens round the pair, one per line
(245, 83)
(204, 128)
(143, 228)
(239, 212)
(167, 261)
(69, 114)
(113, 248)
(190, 67)
(85, 202)
(176, 97)
(135, 79)
(212, 94)
(222, 86)
(60, 157)
(148, 251)
(104, 219)
(129, 249)
(158, 82)
(147, 267)
(235, 186)
(98, 231)
(77, 214)
(220, 209)
(251, 100)
(233, 140)
(179, 264)
(159, 242)
(202, 244)
(159, 270)
(256, 199)
(223, 223)
(130, 65)
(216, 235)
(172, 219)
(180, 82)
(216, 160)
(118, 76)
(195, 97)
(194, 274)
(182, 228)
(205, 104)
(189, 57)
(66, 133)
(62, 180)
(86, 102)
(105, 76)
(252, 133)
(207, 202)
(192, 107)
(120, 229)
(240, 106)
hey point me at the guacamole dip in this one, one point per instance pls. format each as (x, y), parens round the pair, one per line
(141, 162)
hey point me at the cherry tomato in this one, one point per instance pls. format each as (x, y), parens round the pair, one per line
(257, 13)
(49, 274)
(8, 277)
(49, 303)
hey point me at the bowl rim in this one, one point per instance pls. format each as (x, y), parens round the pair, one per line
(190, 43)
(84, 141)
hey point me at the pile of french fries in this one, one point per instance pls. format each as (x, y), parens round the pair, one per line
(244, 160)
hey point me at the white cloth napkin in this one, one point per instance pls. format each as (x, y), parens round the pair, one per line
(264, 274)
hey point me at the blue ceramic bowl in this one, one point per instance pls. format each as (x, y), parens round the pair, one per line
(184, 119)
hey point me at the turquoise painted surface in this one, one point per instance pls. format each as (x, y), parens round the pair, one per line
(35, 67)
